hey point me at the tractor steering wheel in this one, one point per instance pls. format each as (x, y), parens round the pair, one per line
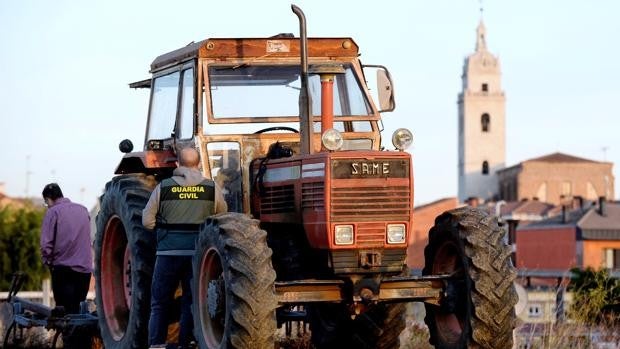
(277, 128)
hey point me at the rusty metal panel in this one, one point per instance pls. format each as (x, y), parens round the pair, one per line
(408, 290)
(144, 161)
(277, 47)
(426, 288)
(375, 168)
(350, 261)
(307, 291)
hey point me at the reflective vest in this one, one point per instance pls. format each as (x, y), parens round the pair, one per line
(181, 211)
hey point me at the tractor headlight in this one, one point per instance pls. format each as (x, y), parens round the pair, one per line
(343, 235)
(402, 139)
(396, 233)
(332, 139)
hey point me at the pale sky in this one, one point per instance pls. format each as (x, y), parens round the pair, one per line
(65, 66)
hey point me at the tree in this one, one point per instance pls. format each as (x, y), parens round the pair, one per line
(20, 231)
(595, 291)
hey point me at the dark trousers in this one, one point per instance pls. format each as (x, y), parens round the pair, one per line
(70, 287)
(169, 271)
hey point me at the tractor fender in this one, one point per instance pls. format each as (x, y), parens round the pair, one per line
(148, 161)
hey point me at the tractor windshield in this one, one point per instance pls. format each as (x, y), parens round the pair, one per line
(272, 91)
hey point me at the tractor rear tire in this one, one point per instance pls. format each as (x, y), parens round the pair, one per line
(330, 325)
(233, 291)
(124, 259)
(379, 327)
(480, 313)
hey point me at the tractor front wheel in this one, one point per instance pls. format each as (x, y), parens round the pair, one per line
(124, 258)
(233, 291)
(477, 309)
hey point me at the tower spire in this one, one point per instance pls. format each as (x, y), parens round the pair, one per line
(481, 32)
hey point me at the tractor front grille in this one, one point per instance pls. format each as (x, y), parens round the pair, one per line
(370, 234)
(359, 204)
(348, 261)
(278, 199)
(313, 195)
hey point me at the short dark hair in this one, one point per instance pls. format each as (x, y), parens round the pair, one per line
(52, 191)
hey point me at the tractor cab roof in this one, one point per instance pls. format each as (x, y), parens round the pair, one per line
(283, 45)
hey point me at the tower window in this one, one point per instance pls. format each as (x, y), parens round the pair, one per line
(485, 121)
(485, 167)
(485, 87)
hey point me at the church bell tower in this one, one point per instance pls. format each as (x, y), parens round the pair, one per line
(482, 133)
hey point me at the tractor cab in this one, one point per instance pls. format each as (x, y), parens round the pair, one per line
(233, 99)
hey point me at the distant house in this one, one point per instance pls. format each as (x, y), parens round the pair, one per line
(6, 200)
(524, 211)
(587, 236)
(423, 220)
(555, 178)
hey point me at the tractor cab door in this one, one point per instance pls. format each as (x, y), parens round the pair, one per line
(172, 108)
(224, 164)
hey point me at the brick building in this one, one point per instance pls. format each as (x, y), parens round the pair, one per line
(588, 236)
(423, 220)
(556, 178)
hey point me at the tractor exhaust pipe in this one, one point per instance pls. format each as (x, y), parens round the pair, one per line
(306, 128)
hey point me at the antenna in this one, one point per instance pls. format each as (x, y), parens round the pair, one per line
(604, 150)
(28, 173)
(481, 8)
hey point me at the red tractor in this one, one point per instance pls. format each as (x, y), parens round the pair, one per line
(320, 215)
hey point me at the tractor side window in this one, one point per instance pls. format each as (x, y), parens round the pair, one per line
(163, 106)
(186, 113)
(224, 160)
(348, 98)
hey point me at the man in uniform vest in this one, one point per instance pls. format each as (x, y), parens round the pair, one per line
(176, 208)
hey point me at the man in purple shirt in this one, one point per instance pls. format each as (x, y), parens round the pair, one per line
(66, 248)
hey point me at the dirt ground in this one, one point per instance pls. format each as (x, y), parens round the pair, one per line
(414, 336)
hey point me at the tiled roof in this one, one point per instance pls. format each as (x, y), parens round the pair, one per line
(593, 220)
(423, 206)
(559, 157)
(533, 207)
(572, 217)
(589, 220)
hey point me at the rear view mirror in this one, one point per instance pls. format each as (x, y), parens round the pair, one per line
(381, 87)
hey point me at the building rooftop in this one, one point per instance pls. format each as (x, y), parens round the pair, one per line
(433, 203)
(566, 217)
(593, 223)
(555, 158)
(559, 157)
(609, 219)
(527, 207)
